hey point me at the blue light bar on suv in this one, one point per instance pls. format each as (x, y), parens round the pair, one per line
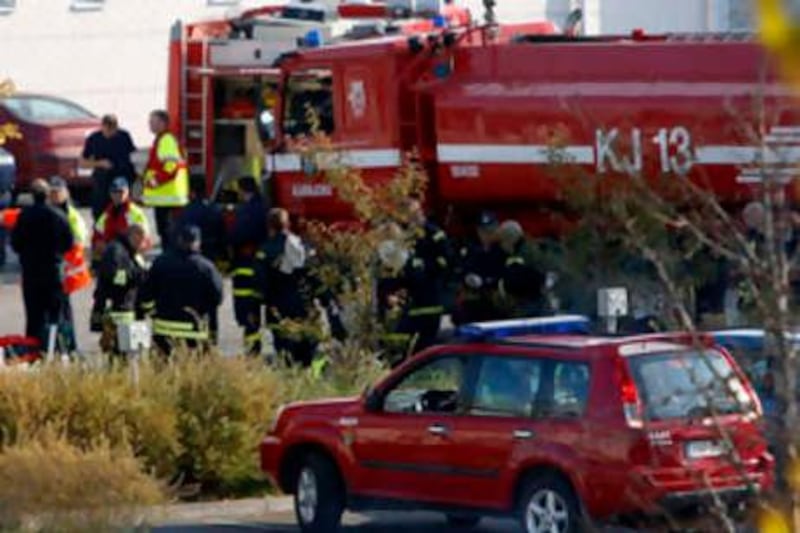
(500, 329)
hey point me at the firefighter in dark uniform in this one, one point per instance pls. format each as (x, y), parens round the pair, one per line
(479, 271)
(208, 217)
(41, 237)
(522, 285)
(121, 273)
(247, 236)
(281, 271)
(423, 279)
(182, 292)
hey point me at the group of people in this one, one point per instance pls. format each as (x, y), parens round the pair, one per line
(494, 273)
(180, 291)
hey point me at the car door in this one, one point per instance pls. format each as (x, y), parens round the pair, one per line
(517, 413)
(400, 447)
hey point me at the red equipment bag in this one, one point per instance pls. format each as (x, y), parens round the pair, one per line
(18, 350)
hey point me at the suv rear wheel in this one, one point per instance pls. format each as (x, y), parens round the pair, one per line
(548, 505)
(318, 497)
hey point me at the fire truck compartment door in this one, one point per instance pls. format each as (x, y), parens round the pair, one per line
(233, 53)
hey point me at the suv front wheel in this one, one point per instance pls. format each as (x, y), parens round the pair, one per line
(548, 505)
(318, 498)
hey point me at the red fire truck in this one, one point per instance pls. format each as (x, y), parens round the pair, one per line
(495, 112)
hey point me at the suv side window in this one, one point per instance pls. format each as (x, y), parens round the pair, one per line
(570, 389)
(507, 387)
(433, 388)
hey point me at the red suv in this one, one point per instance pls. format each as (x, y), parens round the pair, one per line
(555, 428)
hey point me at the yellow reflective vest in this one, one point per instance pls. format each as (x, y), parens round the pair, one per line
(166, 179)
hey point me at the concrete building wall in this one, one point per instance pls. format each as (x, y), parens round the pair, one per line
(111, 59)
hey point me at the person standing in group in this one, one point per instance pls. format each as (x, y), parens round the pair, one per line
(248, 235)
(522, 284)
(280, 270)
(424, 278)
(183, 290)
(480, 269)
(166, 178)
(120, 274)
(41, 237)
(74, 260)
(107, 152)
(120, 214)
(208, 217)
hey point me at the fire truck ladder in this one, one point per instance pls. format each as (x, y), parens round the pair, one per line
(196, 94)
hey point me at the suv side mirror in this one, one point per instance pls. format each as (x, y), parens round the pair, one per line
(372, 401)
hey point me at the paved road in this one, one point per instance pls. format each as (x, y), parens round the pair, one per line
(12, 311)
(284, 522)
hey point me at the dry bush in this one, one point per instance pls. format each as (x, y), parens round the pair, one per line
(195, 421)
(50, 485)
(85, 404)
(224, 407)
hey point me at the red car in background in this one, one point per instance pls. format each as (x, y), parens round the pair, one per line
(53, 132)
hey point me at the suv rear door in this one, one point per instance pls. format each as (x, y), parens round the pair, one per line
(521, 409)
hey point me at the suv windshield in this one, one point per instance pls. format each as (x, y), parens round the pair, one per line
(41, 109)
(688, 384)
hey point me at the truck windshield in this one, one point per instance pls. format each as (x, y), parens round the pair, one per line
(691, 384)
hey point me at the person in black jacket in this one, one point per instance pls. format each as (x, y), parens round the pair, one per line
(248, 235)
(41, 238)
(480, 268)
(424, 278)
(205, 215)
(522, 284)
(120, 275)
(182, 292)
(280, 274)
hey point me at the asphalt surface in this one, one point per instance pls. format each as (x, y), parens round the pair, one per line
(12, 310)
(284, 522)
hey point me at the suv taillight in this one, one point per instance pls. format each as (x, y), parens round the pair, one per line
(629, 395)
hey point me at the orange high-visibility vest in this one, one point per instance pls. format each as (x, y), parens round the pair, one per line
(9, 217)
(76, 275)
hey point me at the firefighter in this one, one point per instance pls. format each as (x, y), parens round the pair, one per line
(248, 234)
(120, 274)
(522, 284)
(208, 217)
(424, 279)
(280, 268)
(183, 290)
(166, 178)
(117, 217)
(60, 200)
(480, 269)
(41, 237)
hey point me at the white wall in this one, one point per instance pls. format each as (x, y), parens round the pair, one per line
(111, 60)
